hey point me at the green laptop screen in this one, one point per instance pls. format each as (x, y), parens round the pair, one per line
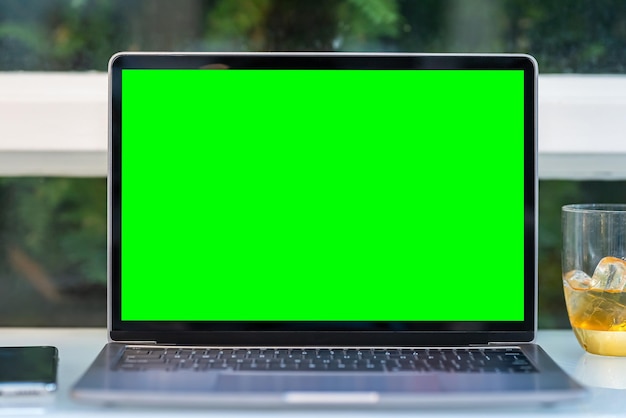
(322, 195)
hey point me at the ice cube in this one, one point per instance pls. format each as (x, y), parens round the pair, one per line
(595, 309)
(610, 274)
(577, 279)
(597, 303)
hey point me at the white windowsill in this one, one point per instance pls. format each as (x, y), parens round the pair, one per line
(582, 126)
(55, 124)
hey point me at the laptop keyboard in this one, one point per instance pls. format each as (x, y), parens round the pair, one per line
(479, 360)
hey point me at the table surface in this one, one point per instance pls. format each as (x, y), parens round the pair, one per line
(605, 377)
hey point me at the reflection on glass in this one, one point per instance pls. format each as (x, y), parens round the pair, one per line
(53, 251)
(53, 231)
(586, 36)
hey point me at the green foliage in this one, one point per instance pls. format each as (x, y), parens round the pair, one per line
(238, 18)
(58, 35)
(583, 36)
(552, 196)
(371, 18)
(258, 25)
(238, 23)
(30, 36)
(575, 36)
(379, 12)
(365, 25)
(60, 223)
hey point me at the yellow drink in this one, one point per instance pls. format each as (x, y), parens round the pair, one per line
(598, 318)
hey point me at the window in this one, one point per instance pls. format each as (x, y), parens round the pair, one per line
(53, 59)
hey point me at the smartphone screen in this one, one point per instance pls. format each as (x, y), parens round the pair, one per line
(28, 370)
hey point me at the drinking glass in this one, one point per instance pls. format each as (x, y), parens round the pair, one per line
(594, 275)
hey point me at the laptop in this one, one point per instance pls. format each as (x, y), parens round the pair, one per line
(298, 229)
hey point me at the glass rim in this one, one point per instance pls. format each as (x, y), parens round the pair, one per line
(595, 207)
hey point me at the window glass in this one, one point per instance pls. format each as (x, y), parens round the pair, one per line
(53, 270)
(53, 259)
(586, 36)
(53, 230)
(553, 194)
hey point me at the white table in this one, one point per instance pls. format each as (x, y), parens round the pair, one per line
(605, 376)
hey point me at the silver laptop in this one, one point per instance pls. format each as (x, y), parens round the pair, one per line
(323, 229)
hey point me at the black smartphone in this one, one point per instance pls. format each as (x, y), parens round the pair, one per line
(28, 371)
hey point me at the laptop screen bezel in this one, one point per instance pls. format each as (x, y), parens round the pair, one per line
(322, 332)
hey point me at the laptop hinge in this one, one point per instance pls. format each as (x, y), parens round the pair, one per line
(498, 344)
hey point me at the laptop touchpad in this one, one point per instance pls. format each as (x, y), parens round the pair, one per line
(353, 382)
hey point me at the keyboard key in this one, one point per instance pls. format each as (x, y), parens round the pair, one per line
(496, 360)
